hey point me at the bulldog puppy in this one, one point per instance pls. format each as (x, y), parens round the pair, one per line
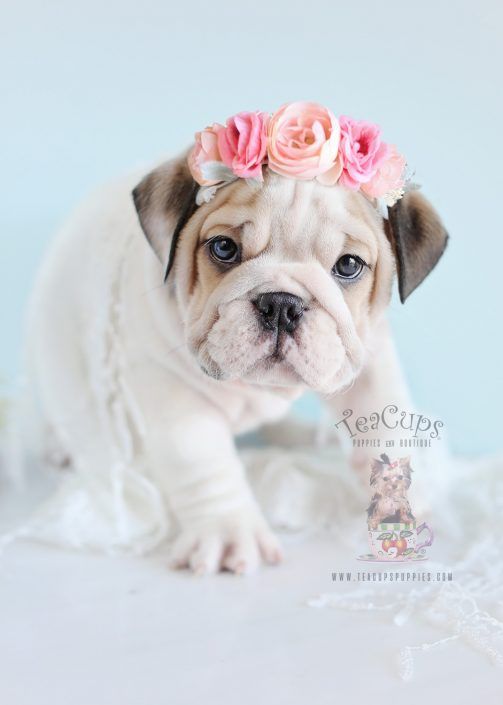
(273, 289)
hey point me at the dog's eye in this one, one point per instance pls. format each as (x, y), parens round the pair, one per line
(348, 267)
(400, 477)
(385, 479)
(224, 249)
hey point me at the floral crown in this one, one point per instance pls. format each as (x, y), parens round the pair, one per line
(301, 141)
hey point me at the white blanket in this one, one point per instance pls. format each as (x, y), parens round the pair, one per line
(307, 487)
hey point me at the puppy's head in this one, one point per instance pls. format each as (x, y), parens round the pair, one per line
(280, 283)
(391, 479)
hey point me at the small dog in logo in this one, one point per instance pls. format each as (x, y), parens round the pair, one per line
(390, 481)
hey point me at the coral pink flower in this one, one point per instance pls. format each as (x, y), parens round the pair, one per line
(304, 142)
(205, 150)
(243, 144)
(361, 152)
(388, 177)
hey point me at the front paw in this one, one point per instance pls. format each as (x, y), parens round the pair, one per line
(235, 542)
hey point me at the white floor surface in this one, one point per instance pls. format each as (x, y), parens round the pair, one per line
(80, 629)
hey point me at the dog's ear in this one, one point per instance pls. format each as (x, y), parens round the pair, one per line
(418, 238)
(377, 468)
(165, 200)
(406, 468)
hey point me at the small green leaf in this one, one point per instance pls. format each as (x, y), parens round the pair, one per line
(404, 534)
(408, 552)
(386, 535)
(217, 171)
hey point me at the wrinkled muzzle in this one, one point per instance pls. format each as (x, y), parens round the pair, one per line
(287, 325)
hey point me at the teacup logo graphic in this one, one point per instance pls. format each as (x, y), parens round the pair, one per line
(392, 530)
(399, 541)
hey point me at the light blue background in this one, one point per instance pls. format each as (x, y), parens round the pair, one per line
(90, 89)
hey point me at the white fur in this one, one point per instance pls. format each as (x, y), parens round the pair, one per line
(120, 388)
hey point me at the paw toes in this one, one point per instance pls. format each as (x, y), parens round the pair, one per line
(238, 549)
(270, 548)
(181, 551)
(207, 556)
(242, 556)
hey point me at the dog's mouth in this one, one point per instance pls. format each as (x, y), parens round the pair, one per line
(266, 362)
(274, 368)
(279, 348)
(313, 355)
(282, 361)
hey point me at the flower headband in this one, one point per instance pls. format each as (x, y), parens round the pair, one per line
(301, 141)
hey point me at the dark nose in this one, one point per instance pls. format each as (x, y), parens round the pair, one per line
(280, 311)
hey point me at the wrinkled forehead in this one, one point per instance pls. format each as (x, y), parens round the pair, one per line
(285, 213)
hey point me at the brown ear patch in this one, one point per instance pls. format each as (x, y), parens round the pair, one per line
(406, 469)
(418, 238)
(165, 200)
(377, 467)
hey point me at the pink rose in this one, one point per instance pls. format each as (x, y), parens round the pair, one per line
(204, 150)
(361, 151)
(388, 177)
(304, 142)
(243, 144)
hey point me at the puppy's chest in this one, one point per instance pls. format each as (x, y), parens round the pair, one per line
(248, 408)
(389, 503)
